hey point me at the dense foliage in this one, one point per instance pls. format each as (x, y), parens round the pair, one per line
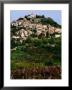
(36, 53)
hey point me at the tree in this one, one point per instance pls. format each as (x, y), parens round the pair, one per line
(13, 44)
(40, 16)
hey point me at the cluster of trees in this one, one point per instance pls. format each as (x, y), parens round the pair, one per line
(41, 43)
(50, 21)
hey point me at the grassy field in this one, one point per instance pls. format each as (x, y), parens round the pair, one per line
(37, 59)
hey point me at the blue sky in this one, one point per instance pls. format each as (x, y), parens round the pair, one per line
(54, 14)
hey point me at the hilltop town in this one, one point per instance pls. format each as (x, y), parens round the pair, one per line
(34, 25)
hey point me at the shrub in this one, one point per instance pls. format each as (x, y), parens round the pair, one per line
(49, 63)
